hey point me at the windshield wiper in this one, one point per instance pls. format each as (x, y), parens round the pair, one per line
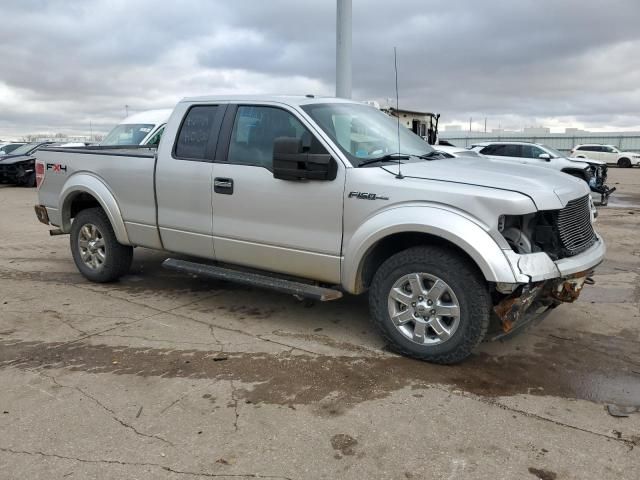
(389, 157)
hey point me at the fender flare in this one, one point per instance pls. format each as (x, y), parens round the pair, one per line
(88, 183)
(451, 226)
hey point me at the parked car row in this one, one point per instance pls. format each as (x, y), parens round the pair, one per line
(592, 171)
(17, 160)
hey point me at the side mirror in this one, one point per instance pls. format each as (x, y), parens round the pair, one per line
(292, 161)
(545, 156)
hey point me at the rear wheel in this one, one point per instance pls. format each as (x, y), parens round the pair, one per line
(430, 304)
(624, 163)
(95, 249)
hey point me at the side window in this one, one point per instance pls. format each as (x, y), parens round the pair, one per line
(531, 151)
(255, 129)
(195, 132)
(608, 150)
(512, 151)
(489, 149)
(506, 150)
(155, 140)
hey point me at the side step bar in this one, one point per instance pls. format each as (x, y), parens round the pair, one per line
(298, 289)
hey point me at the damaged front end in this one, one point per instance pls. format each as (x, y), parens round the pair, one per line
(17, 172)
(554, 254)
(597, 183)
(532, 302)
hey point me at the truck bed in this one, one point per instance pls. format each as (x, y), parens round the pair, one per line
(127, 172)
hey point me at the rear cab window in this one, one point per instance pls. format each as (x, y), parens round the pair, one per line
(198, 134)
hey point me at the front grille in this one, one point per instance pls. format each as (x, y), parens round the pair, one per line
(574, 226)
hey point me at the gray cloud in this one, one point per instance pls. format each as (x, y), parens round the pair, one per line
(65, 63)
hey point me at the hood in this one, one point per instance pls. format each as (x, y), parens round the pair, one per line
(546, 187)
(8, 159)
(587, 161)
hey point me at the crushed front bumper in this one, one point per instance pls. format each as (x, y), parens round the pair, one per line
(535, 267)
(531, 302)
(545, 284)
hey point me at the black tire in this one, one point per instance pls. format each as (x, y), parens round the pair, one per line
(117, 256)
(624, 163)
(468, 285)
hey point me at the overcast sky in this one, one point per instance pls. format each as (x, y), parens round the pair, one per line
(65, 63)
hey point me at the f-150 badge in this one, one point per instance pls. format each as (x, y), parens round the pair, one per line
(367, 196)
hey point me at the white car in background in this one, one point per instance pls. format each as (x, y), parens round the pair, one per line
(607, 153)
(144, 128)
(592, 171)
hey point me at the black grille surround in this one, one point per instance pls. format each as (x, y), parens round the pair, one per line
(573, 224)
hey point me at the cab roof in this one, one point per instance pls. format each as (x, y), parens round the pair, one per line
(285, 99)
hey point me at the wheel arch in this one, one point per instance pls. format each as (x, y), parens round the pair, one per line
(624, 160)
(86, 191)
(398, 229)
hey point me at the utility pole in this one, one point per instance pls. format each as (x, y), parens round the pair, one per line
(343, 48)
(470, 120)
(485, 124)
(91, 131)
(126, 110)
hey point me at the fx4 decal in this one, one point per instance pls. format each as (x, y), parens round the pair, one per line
(367, 196)
(56, 167)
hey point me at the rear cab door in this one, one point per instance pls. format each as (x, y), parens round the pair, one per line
(183, 177)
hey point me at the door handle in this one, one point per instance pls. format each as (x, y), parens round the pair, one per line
(223, 185)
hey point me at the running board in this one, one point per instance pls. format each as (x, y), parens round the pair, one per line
(298, 289)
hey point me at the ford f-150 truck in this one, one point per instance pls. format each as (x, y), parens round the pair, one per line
(321, 196)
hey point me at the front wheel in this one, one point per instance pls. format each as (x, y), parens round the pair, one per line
(95, 248)
(431, 304)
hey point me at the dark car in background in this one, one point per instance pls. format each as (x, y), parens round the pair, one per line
(18, 167)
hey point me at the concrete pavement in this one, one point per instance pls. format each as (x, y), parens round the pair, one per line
(166, 376)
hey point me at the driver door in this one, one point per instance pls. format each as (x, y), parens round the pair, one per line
(287, 226)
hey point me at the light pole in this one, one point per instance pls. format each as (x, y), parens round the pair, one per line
(343, 49)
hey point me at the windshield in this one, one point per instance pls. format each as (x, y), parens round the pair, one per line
(363, 132)
(128, 134)
(553, 152)
(24, 149)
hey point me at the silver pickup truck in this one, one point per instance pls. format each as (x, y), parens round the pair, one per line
(321, 196)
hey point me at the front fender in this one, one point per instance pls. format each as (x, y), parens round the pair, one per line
(88, 183)
(439, 222)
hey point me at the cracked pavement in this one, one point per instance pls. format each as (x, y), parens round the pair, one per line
(168, 376)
